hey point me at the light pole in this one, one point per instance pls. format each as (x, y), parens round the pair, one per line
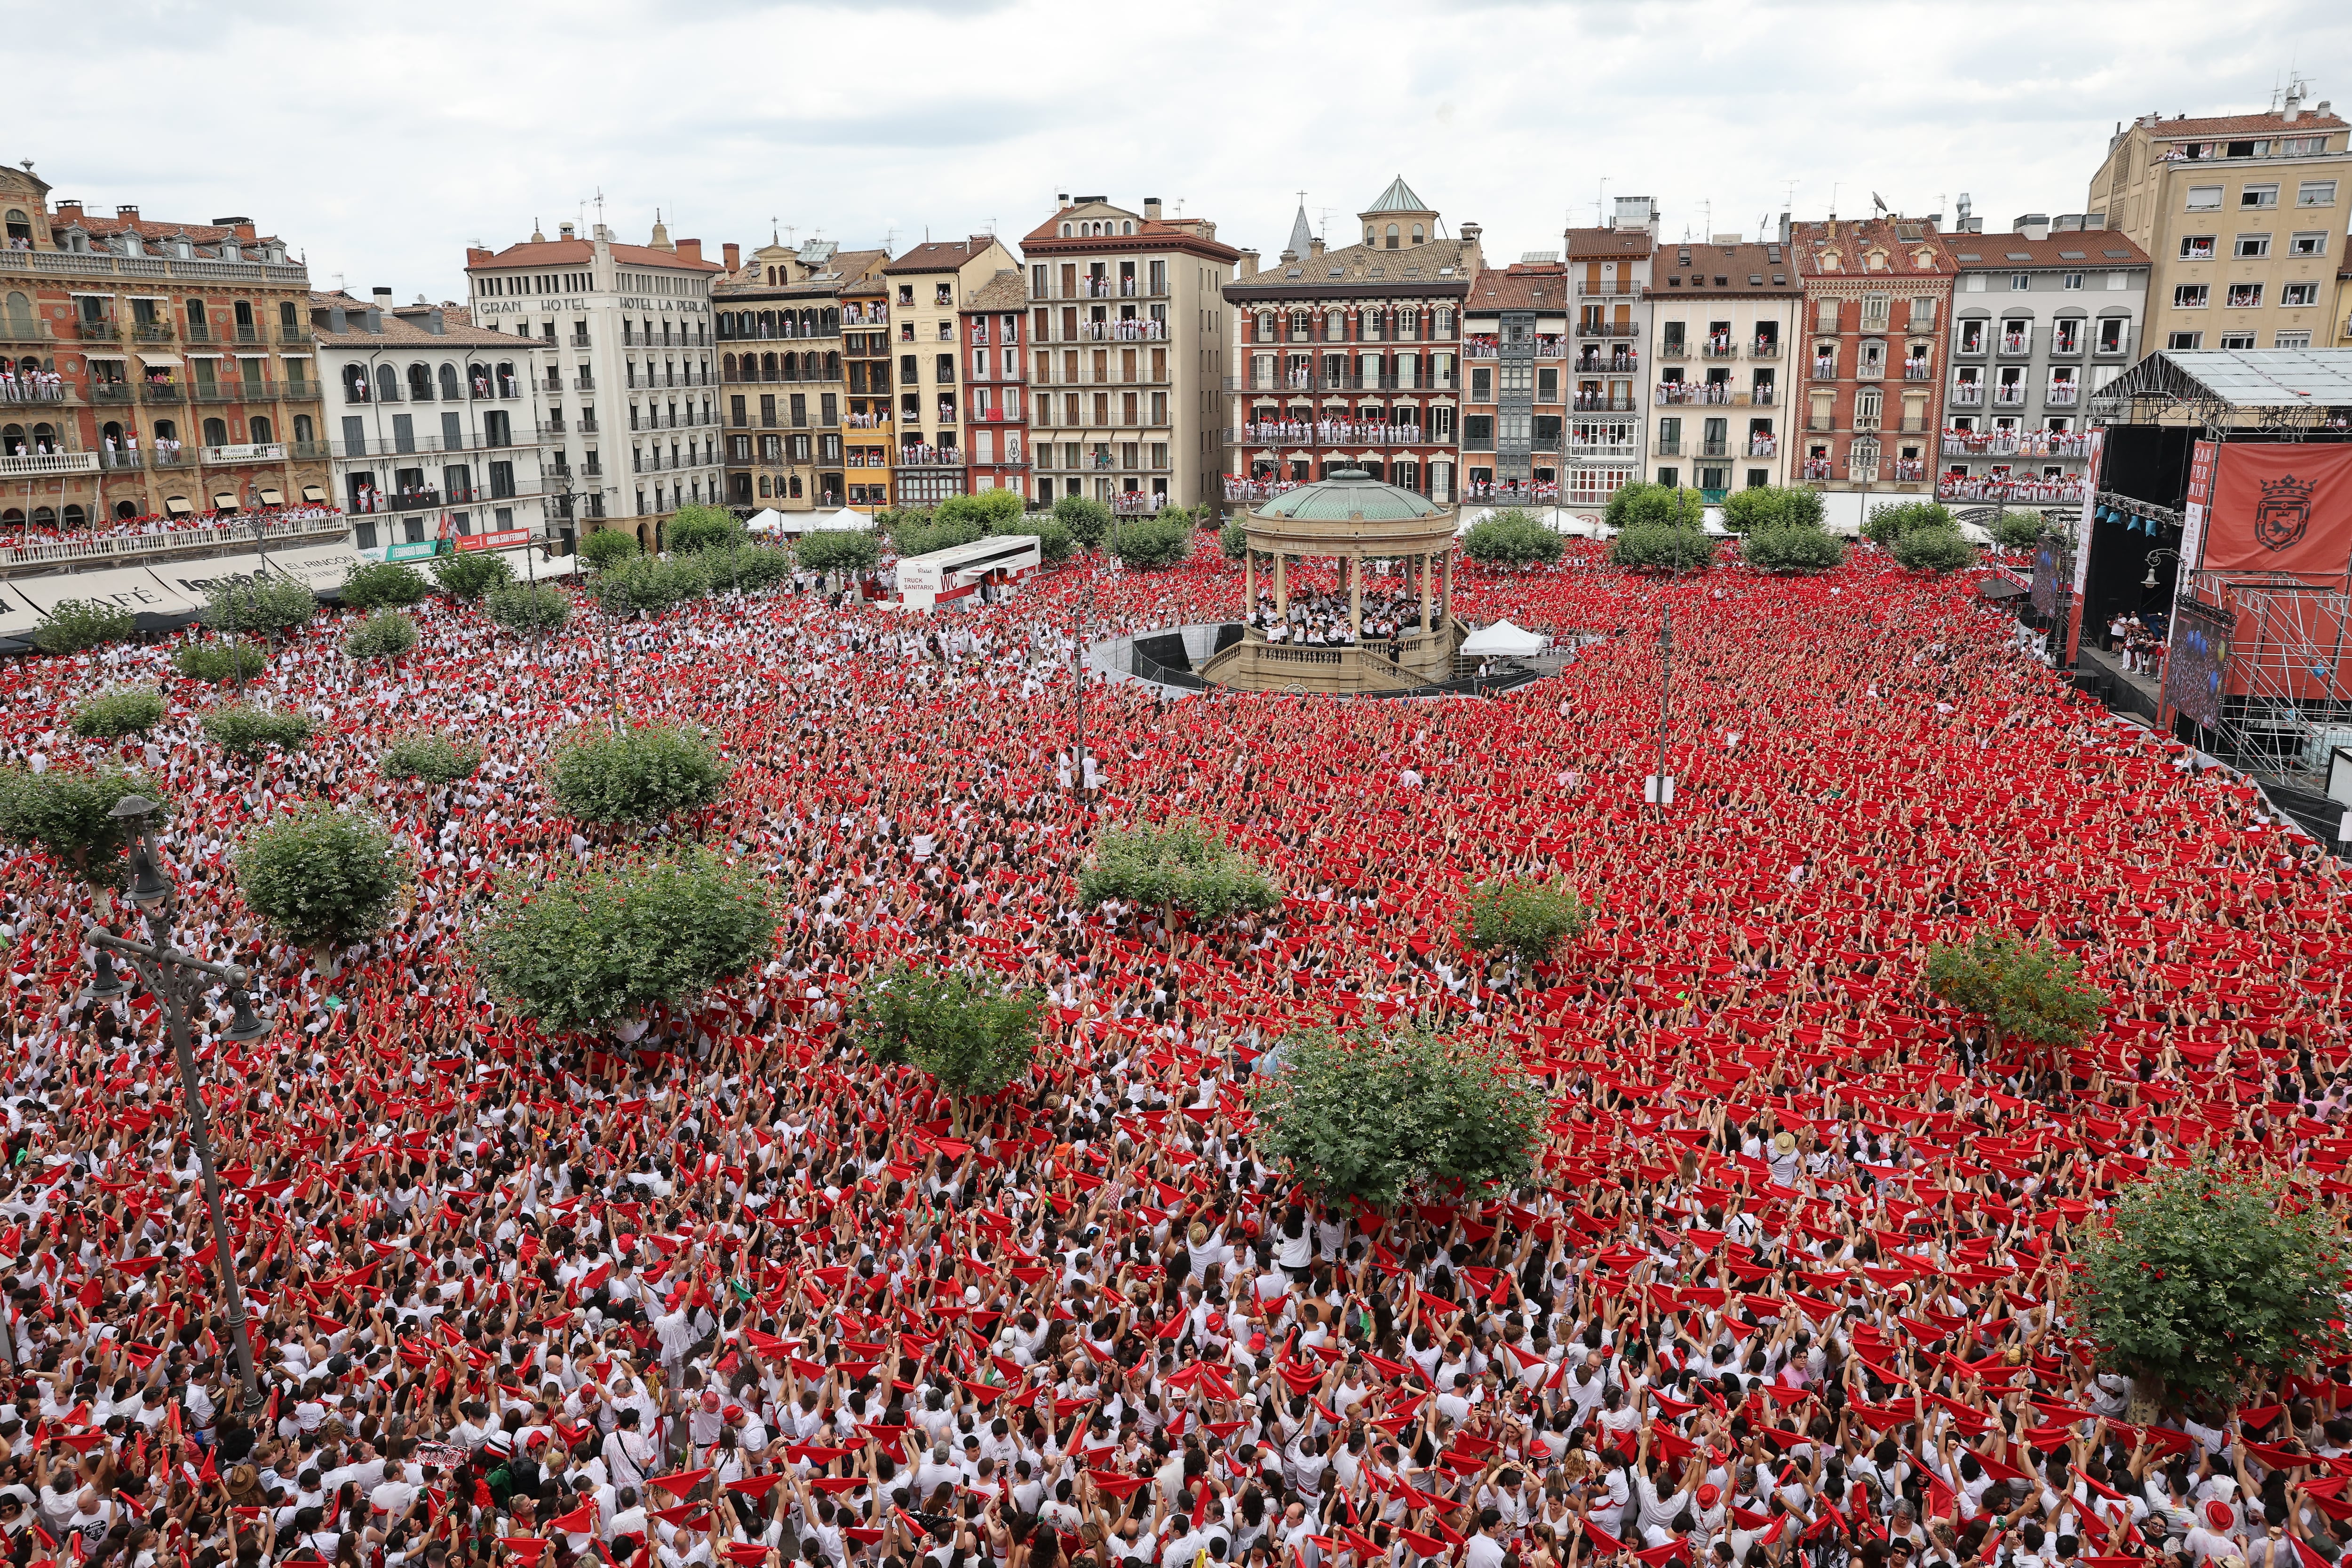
(1666, 682)
(174, 978)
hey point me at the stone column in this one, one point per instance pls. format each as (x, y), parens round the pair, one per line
(1249, 583)
(1356, 598)
(1425, 622)
(1281, 584)
(1449, 583)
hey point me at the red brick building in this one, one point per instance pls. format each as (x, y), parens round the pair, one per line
(996, 410)
(1871, 344)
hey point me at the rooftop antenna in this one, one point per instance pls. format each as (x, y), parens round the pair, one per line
(1763, 225)
(890, 237)
(1180, 206)
(1600, 205)
(1834, 191)
(599, 204)
(1707, 219)
(1323, 222)
(1789, 195)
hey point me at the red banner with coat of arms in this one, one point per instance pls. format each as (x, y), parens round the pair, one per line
(2281, 507)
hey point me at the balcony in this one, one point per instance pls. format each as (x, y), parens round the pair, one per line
(1616, 289)
(1820, 421)
(25, 330)
(31, 465)
(2062, 393)
(1909, 470)
(294, 335)
(1917, 370)
(113, 392)
(1607, 330)
(1715, 448)
(100, 331)
(1914, 426)
(1625, 362)
(1714, 393)
(19, 393)
(253, 452)
(1604, 451)
(2016, 443)
(1816, 468)
(1824, 369)
(1969, 394)
(1597, 403)
(1870, 369)
(1308, 381)
(1763, 394)
(237, 391)
(921, 456)
(151, 332)
(1719, 350)
(2016, 345)
(1327, 433)
(2063, 347)
(1137, 331)
(1971, 346)
(1674, 349)
(1764, 348)
(2066, 489)
(1667, 447)
(2121, 347)
(2012, 396)
(1763, 446)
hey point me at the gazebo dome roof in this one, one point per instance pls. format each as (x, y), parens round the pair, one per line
(1349, 492)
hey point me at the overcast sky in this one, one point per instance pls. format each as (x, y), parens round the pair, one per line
(380, 140)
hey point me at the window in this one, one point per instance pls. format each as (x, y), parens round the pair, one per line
(2204, 198)
(2196, 247)
(2189, 296)
(2258, 196)
(2237, 339)
(2296, 295)
(2018, 282)
(2111, 334)
(2245, 297)
(2315, 194)
(2314, 244)
(2185, 340)
(2251, 247)
(2290, 340)
(2071, 281)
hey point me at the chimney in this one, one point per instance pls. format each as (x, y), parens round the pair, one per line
(2032, 225)
(690, 249)
(383, 296)
(2294, 104)
(1784, 227)
(70, 208)
(733, 253)
(1151, 209)
(565, 231)
(603, 234)
(1063, 197)
(1248, 264)
(1470, 233)
(129, 213)
(1314, 246)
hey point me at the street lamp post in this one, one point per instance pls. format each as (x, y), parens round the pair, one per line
(175, 978)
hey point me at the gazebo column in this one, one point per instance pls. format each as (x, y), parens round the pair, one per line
(1449, 586)
(1355, 598)
(1281, 584)
(1249, 584)
(1426, 625)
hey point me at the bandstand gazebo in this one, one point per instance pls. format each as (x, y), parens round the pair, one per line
(1352, 518)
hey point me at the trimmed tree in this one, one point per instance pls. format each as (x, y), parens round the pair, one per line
(2207, 1283)
(261, 607)
(2024, 991)
(322, 877)
(1184, 864)
(1792, 551)
(376, 584)
(636, 775)
(1232, 539)
(608, 547)
(217, 662)
(1511, 538)
(1640, 502)
(1661, 547)
(1523, 916)
(433, 758)
(471, 573)
(1933, 550)
(75, 626)
(1763, 508)
(1379, 1118)
(66, 812)
(527, 606)
(647, 585)
(1148, 543)
(837, 551)
(249, 733)
(1088, 519)
(1890, 522)
(387, 634)
(1054, 544)
(696, 527)
(994, 511)
(118, 713)
(587, 946)
(743, 566)
(973, 1036)
(2018, 530)
(920, 533)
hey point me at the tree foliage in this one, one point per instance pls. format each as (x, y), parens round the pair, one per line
(648, 584)
(636, 775)
(608, 547)
(430, 756)
(377, 585)
(527, 606)
(114, 714)
(1232, 539)
(1660, 547)
(1511, 538)
(2024, 991)
(262, 606)
(1666, 505)
(838, 551)
(1524, 916)
(471, 573)
(387, 634)
(1054, 544)
(743, 566)
(1891, 521)
(1792, 551)
(912, 537)
(75, 626)
(321, 876)
(975, 1038)
(1379, 1118)
(1764, 508)
(67, 812)
(2211, 1281)
(588, 945)
(2018, 530)
(1934, 549)
(1088, 519)
(696, 527)
(1183, 865)
(1147, 543)
(248, 733)
(994, 511)
(216, 661)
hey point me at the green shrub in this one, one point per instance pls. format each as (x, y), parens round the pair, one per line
(1524, 916)
(994, 511)
(590, 946)
(75, 626)
(471, 574)
(68, 812)
(2024, 991)
(1053, 542)
(743, 567)
(694, 527)
(1661, 547)
(1511, 538)
(1185, 865)
(921, 539)
(263, 606)
(1088, 519)
(526, 606)
(387, 634)
(118, 713)
(635, 775)
(1792, 551)
(433, 758)
(647, 585)
(375, 584)
(891, 522)
(2206, 1283)
(1380, 1119)
(1640, 503)
(1147, 543)
(1232, 539)
(1937, 549)
(1763, 508)
(608, 547)
(322, 878)
(1890, 522)
(974, 1038)
(217, 662)
(248, 733)
(837, 551)
(2018, 530)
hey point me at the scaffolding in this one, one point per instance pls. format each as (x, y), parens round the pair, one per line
(2287, 686)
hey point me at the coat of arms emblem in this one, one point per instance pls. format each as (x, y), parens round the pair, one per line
(2283, 514)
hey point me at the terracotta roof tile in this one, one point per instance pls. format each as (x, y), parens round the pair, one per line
(459, 329)
(573, 252)
(2242, 125)
(1520, 286)
(1005, 292)
(2092, 248)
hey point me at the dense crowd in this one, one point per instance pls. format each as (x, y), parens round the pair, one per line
(159, 526)
(1787, 1283)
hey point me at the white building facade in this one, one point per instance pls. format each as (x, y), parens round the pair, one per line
(621, 339)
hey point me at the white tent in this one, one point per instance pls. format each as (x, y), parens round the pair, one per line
(767, 520)
(1975, 534)
(846, 521)
(1505, 639)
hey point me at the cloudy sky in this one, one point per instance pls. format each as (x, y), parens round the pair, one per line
(381, 141)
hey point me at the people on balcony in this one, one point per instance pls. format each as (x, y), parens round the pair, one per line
(1542, 491)
(1333, 431)
(164, 528)
(28, 383)
(1259, 487)
(1321, 619)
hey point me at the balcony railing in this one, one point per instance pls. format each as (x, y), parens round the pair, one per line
(28, 465)
(1594, 403)
(1605, 451)
(2067, 490)
(2062, 393)
(1824, 369)
(1820, 421)
(2016, 345)
(1667, 447)
(2063, 348)
(923, 456)
(113, 392)
(127, 546)
(1719, 350)
(1615, 288)
(1674, 349)
(1310, 381)
(2016, 443)
(1970, 347)
(1715, 448)
(1325, 433)
(100, 331)
(1137, 331)
(1969, 394)
(1909, 470)
(1764, 348)
(1625, 361)
(251, 452)
(1870, 369)
(2012, 396)
(33, 392)
(1917, 370)
(1762, 445)
(1816, 468)
(1712, 394)
(2121, 347)
(151, 332)
(25, 330)
(1607, 330)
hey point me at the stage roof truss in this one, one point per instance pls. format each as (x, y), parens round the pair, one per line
(2289, 393)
